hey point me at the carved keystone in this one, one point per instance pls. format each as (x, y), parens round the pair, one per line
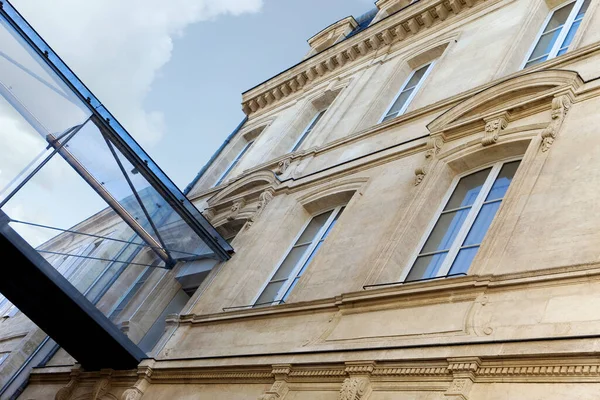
(493, 126)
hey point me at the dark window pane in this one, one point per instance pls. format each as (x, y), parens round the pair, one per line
(426, 267)
(463, 261)
(270, 293)
(545, 44)
(290, 262)
(582, 10)
(482, 223)
(503, 180)
(445, 231)
(416, 78)
(399, 103)
(467, 190)
(559, 17)
(313, 227)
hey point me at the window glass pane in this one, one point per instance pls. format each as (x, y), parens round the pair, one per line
(530, 63)
(545, 44)
(482, 223)
(313, 227)
(467, 190)
(559, 17)
(463, 261)
(582, 10)
(270, 292)
(445, 231)
(503, 181)
(290, 262)
(567, 42)
(316, 120)
(399, 103)
(426, 267)
(416, 78)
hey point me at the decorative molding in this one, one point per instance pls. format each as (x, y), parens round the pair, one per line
(398, 27)
(560, 108)
(102, 385)
(209, 213)
(264, 199)
(459, 389)
(356, 388)
(420, 175)
(237, 206)
(493, 126)
(66, 392)
(412, 371)
(283, 166)
(277, 391)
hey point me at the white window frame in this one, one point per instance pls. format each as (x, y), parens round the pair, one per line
(563, 34)
(469, 220)
(305, 132)
(3, 357)
(296, 270)
(234, 163)
(414, 92)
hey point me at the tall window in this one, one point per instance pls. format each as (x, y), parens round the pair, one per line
(558, 32)
(407, 92)
(298, 258)
(234, 163)
(308, 130)
(460, 227)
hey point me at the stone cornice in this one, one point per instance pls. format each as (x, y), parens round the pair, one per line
(568, 368)
(409, 22)
(557, 62)
(430, 291)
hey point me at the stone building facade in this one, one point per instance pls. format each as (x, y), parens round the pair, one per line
(414, 212)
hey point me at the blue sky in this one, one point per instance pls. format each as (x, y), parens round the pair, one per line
(172, 72)
(199, 89)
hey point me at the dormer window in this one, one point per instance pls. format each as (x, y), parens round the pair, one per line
(331, 35)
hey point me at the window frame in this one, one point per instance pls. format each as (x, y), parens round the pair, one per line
(281, 293)
(469, 220)
(234, 162)
(3, 357)
(561, 37)
(306, 131)
(416, 90)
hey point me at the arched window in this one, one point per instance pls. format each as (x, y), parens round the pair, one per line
(457, 231)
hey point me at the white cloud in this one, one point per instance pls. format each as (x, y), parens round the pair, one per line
(117, 47)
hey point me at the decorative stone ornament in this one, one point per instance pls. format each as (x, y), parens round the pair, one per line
(136, 392)
(264, 199)
(493, 127)
(354, 388)
(66, 392)
(235, 209)
(102, 386)
(560, 109)
(283, 166)
(420, 175)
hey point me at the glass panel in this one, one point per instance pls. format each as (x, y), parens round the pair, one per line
(545, 44)
(582, 10)
(533, 62)
(482, 223)
(559, 17)
(463, 261)
(426, 267)
(33, 89)
(416, 78)
(445, 231)
(467, 190)
(316, 121)
(569, 38)
(399, 103)
(503, 180)
(269, 294)
(290, 262)
(313, 227)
